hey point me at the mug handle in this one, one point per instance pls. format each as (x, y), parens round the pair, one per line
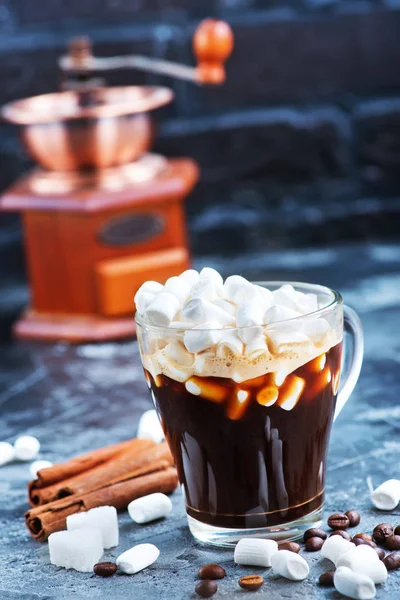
(352, 325)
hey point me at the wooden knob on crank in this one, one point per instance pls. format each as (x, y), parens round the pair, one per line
(212, 45)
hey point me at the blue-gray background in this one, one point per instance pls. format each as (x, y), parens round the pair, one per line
(300, 148)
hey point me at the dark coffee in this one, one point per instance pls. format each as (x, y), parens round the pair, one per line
(243, 462)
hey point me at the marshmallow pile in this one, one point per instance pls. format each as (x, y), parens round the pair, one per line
(88, 534)
(207, 319)
(358, 568)
(205, 301)
(264, 553)
(91, 532)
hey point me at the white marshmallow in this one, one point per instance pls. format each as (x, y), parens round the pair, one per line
(315, 329)
(199, 386)
(291, 395)
(191, 276)
(36, 466)
(200, 310)
(335, 546)
(283, 339)
(229, 343)
(203, 288)
(201, 362)
(212, 275)
(290, 565)
(103, 518)
(149, 427)
(268, 395)
(249, 315)
(163, 309)
(149, 508)
(171, 368)
(286, 296)
(7, 453)
(202, 337)
(153, 287)
(364, 560)
(226, 306)
(79, 550)
(146, 294)
(178, 287)
(137, 558)
(387, 495)
(26, 447)
(256, 347)
(279, 376)
(290, 298)
(237, 289)
(149, 287)
(306, 303)
(353, 585)
(362, 551)
(255, 552)
(279, 313)
(265, 296)
(143, 301)
(177, 352)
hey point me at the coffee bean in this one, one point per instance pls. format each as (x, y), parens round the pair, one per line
(206, 588)
(362, 536)
(342, 533)
(211, 572)
(314, 544)
(354, 517)
(381, 532)
(315, 532)
(361, 542)
(326, 578)
(105, 569)
(291, 546)
(380, 552)
(338, 521)
(358, 541)
(393, 542)
(392, 561)
(251, 583)
(397, 530)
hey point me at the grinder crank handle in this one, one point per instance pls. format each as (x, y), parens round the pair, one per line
(212, 45)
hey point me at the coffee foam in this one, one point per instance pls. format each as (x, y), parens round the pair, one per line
(240, 368)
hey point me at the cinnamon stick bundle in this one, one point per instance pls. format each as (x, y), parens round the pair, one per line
(44, 520)
(84, 462)
(135, 459)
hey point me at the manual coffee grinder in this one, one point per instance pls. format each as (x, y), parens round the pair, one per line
(101, 214)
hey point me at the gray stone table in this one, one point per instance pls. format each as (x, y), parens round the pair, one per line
(78, 398)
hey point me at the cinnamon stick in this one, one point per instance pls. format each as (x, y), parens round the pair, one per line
(85, 462)
(136, 459)
(44, 520)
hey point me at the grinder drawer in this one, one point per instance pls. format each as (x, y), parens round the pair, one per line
(117, 280)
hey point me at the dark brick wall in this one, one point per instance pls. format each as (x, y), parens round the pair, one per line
(300, 147)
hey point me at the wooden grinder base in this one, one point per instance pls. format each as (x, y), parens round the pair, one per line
(74, 329)
(90, 249)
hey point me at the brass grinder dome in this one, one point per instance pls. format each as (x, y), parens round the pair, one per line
(94, 129)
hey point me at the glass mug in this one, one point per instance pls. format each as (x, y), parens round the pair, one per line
(250, 436)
